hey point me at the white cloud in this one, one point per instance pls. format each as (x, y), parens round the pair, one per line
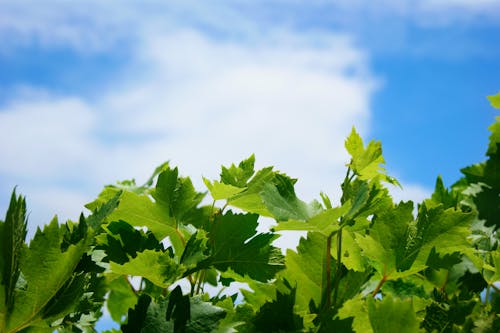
(200, 102)
(413, 192)
(45, 138)
(189, 97)
(101, 26)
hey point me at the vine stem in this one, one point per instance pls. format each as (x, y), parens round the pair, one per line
(201, 277)
(379, 285)
(487, 296)
(328, 270)
(339, 267)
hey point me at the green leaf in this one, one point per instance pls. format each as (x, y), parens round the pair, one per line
(260, 293)
(234, 243)
(42, 259)
(325, 222)
(250, 199)
(156, 266)
(190, 315)
(357, 309)
(100, 213)
(352, 256)
(305, 270)
(495, 100)
(445, 230)
(221, 191)
(121, 298)
(492, 272)
(441, 195)
(137, 317)
(121, 241)
(366, 162)
(386, 245)
(205, 317)
(238, 176)
(283, 204)
(392, 315)
(176, 195)
(140, 211)
(178, 309)
(12, 237)
(67, 298)
(493, 149)
(278, 315)
(195, 249)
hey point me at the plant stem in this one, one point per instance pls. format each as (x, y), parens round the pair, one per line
(487, 296)
(339, 267)
(328, 269)
(201, 277)
(379, 285)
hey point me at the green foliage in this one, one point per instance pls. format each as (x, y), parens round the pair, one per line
(368, 264)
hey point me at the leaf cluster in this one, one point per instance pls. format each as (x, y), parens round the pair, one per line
(163, 257)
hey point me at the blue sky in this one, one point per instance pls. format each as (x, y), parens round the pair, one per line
(93, 92)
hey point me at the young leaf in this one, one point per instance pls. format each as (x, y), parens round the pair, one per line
(495, 100)
(366, 162)
(221, 191)
(238, 176)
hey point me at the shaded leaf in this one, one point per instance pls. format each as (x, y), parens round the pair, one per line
(12, 236)
(234, 243)
(392, 315)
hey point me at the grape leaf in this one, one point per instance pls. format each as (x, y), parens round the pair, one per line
(367, 161)
(176, 195)
(283, 204)
(140, 211)
(305, 270)
(325, 222)
(445, 230)
(195, 249)
(121, 298)
(392, 315)
(238, 176)
(260, 293)
(250, 199)
(234, 243)
(194, 316)
(121, 241)
(222, 191)
(495, 100)
(278, 315)
(12, 235)
(156, 266)
(386, 244)
(356, 308)
(43, 258)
